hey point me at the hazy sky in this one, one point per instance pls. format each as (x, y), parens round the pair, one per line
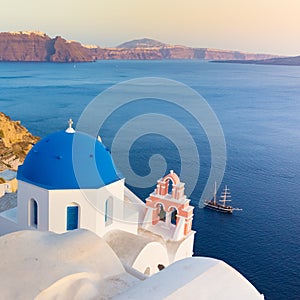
(270, 26)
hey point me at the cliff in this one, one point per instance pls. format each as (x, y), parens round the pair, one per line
(15, 142)
(152, 49)
(37, 46)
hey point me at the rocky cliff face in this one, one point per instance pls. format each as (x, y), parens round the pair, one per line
(65, 51)
(37, 46)
(15, 142)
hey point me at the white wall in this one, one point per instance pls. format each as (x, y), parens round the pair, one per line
(52, 208)
(26, 192)
(186, 247)
(59, 200)
(91, 205)
(152, 254)
(194, 278)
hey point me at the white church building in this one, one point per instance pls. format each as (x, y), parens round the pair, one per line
(57, 194)
(62, 188)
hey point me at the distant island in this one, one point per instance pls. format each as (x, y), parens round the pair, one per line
(284, 61)
(34, 46)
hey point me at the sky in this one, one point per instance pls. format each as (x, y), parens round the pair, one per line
(261, 26)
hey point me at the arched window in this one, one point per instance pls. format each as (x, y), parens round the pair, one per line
(72, 216)
(108, 216)
(174, 216)
(170, 186)
(161, 213)
(33, 213)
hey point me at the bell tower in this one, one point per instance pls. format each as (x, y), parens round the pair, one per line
(168, 212)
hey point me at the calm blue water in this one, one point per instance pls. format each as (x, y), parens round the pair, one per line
(259, 110)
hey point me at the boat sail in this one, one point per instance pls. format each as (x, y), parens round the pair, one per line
(225, 197)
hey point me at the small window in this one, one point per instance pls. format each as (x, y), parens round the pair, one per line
(72, 217)
(33, 213)
(108, 217)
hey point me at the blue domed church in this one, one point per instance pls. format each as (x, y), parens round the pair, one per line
(69, 181)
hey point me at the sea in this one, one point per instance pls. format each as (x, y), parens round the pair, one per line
(258, 109)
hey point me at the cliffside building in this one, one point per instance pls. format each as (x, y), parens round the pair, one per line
(68, 182)
(8, 182)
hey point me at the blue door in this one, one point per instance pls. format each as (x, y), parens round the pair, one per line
(72, 217)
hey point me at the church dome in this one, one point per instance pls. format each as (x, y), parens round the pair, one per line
(68, 160)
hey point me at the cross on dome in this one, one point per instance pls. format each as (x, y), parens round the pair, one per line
(70, 129)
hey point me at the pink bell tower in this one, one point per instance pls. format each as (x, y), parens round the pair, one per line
(167, 209)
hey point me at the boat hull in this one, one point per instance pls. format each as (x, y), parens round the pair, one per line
(219, 208)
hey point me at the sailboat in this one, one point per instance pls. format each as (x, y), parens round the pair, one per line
(225, 197)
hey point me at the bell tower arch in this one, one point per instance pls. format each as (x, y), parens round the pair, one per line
(169, 194)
